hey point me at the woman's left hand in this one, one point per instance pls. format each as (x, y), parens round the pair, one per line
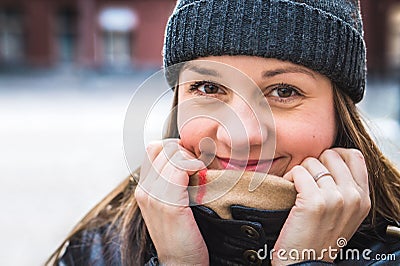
(326, 210)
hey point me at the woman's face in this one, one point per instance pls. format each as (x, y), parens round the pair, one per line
(254, 113)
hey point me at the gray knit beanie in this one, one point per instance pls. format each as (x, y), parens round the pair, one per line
(323, 35)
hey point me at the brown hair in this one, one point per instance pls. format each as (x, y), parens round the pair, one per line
(384, 177)
(120, 210)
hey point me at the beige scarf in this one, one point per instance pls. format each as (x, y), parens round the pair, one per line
(220, 189)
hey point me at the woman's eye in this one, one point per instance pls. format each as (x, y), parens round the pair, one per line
(284, 92)
(206, 88)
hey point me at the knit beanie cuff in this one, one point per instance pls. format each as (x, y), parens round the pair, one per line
(287, 30)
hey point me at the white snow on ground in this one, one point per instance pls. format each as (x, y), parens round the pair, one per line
(61, 152)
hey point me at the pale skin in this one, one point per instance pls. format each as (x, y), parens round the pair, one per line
(301, 102)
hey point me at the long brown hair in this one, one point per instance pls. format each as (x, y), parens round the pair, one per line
(384, 177)
(120, 210)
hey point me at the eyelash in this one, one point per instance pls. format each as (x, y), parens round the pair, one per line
(291, 98)
(194, 88)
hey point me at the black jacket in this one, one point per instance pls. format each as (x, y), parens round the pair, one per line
(244, 240)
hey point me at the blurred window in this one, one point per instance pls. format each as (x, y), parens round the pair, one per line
(118, 25)
(11, 36)
(394, 37)
(117, 48)
(66, 31)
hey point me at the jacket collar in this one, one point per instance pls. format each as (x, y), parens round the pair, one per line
(237, 240)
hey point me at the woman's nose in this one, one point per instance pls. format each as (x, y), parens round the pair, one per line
(245, 126)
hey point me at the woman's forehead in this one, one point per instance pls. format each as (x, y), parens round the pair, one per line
(247, 66)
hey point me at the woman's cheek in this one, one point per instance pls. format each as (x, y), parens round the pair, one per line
(199, 133)
(187, 138)
(304, 140)
(191, 138)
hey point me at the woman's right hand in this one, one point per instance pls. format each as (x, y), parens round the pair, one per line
(163, 199)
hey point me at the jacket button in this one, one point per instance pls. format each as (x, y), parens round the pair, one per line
(251, 257)
(250, 232)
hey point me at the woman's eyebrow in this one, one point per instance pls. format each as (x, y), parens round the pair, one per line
(202, 70)
(292, 69)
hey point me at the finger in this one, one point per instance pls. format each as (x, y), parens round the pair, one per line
(355, 161)
(315, 167)
(147, 181)
(185, 161)
(168, 149)
(152, 151)
(175, 156)
(178, 173)
(173, 188)
(173, 146)
(303, 181)
(355, 197)
(339, 170)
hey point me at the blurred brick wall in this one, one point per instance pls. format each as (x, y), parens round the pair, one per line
(376, 24)
(41, 48)
(39, 26)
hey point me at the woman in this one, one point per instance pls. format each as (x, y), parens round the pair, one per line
(307, 60)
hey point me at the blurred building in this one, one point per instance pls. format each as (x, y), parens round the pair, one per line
(125, 33)
(92, 33)
(382, 33)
